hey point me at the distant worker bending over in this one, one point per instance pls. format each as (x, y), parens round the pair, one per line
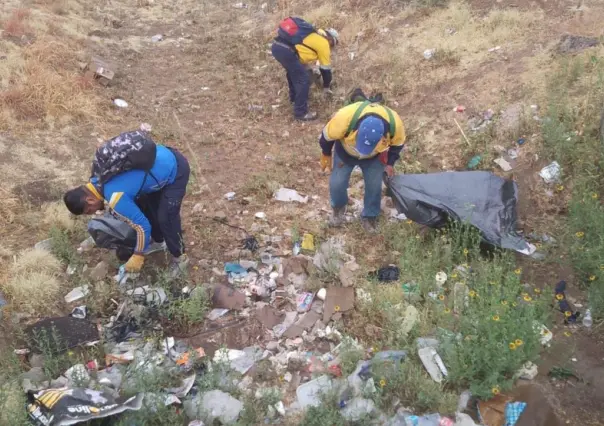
(297, 47)
(143, 184)
(364, 134)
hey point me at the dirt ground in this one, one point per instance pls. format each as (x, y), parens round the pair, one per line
(211, 89)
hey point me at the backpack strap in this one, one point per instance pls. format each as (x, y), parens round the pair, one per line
(357, 114)
(355, 117)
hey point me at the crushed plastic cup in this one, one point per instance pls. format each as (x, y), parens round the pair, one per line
(440, 278)
(551, 173)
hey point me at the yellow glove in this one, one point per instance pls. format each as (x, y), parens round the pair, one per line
(326, 163)
(135, 263)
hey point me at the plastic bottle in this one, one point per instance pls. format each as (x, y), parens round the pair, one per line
(587, 320)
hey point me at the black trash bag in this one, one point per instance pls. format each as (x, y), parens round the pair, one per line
(113, 234)
(479, 198)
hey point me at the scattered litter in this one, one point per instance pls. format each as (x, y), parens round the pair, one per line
(76, 405)
(216, 313)
(429, 53)
(157, 37)
(240, 6)
(459, 108)
(79, 312)
(269, 317)
(387, 273)
(572, 44)
(230, 196)
(228, 298)
(308, 242)
(504, 164)
(289, 195)
(357, 409)
(474, 162)
(441, 278)
(570, 316)
(364, 371)
(338, 299)
(587, 318)
(71, 270)
(77, 293)
(304, 301)
(146, 127)
(216, 405)
(551, 173)
(185, 386)
(528, 371)
(45, 245)
(321, 294)
(494, 49)
(260, 215)
(433, 363)
(492, 412)
(513, 153)
(77, 375)
(521, 141)
(309, 394)
(513, 411)
(544, 332)
(100, 69)
(120, 103)
(411, 318)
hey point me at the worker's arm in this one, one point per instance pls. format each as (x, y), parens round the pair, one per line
(124, 207)
(320, 45)
(397, 142)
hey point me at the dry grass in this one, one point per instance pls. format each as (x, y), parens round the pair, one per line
(16, 25)
(33, 282)
(57, 216)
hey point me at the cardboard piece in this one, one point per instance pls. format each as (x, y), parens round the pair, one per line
(228, 298)
(492, 412)
(269, 317)
(305, 322)
(338, 299)
(101, 70)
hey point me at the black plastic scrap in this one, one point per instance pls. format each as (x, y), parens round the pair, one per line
(479, 198)
(387, 273)
(570, 317)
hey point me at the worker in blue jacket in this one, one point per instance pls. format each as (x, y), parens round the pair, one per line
(149, 201)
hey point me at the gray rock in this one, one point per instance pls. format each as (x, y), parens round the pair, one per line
(59, 382)
(100, 271)
(222, 406)
(357, 409)
(36, 375)
(573, 44)
(44, 245)
(36, 360)
(272, 346)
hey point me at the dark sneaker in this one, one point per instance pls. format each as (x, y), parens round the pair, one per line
(370, 224)
(178, 266)
(309, 116)
(155, 247)
(338, 217)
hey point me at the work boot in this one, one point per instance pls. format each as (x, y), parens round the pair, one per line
(338, 217)
(155, 247)
(370, 224)
(178, 266)
(309, 116)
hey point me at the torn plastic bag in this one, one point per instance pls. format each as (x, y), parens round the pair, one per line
(111, 233)
(480, 198)
(61, 407)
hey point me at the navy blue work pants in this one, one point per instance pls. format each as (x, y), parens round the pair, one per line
(298, 78)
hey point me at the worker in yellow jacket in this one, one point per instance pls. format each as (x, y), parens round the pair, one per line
(370, 136)
(297, 46)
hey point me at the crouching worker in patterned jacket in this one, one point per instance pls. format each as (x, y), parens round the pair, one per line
(142, 184)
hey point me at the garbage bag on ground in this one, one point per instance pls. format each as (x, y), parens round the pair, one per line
(482, 199)
(61, 407)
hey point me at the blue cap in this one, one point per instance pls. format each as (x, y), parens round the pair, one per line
(371, 131)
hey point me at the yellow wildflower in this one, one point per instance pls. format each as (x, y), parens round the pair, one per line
(594, 196)
(382, 383)
(537, 290)
(518, 342)
(408, 221)
(560, 296)
(512, 346)
(527, 298)
(336, 308)
(495, 390)
(466, 251)
(454, 275)
(567, 314)
(504, 302)
(579, 234)
(495, 317)
(441, 297)
(447, 311)
(472, 293)
(518, 271)
(559, 188)
(567, 333)
(592, 278)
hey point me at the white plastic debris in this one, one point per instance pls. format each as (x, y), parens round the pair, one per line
(309, 394)
(433, 363)
(544, 332)
(321, 294)
(145, 127)
(240, 6)
(229, 196)
(260, 215)
(288, 195)
(157, 37)
(494, 49)
(120, 103)
(216, 313)
(528, 371)
(429, 53)
(551, 173)
(77, 294)
(440, 278)
(503, 163)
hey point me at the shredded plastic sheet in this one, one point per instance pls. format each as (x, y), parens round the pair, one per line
(111, 233)
(479, 198)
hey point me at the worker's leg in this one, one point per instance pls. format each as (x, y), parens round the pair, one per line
(149, 205)
(170, 201)
(292, 89)
(296, 77)
(373, 172)
(338, 182)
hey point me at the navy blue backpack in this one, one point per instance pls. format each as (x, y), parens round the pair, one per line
(293, 30)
